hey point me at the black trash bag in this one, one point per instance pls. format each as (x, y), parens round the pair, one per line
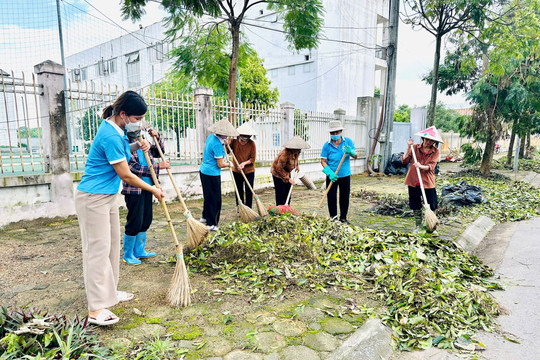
(462, 194)
(395, 166)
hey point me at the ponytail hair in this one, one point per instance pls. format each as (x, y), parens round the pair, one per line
(130, 102)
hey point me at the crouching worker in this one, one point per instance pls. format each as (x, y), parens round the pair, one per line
(139, 201)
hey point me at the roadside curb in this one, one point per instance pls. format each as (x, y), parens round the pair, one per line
(475, 233)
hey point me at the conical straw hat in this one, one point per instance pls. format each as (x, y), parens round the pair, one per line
(223, 127)
(430, 133)
(296, 143)
(246, 129)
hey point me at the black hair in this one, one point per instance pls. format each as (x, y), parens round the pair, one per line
(436, 143)
(130, 102)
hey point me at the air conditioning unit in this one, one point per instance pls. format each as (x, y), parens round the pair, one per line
(76, 74)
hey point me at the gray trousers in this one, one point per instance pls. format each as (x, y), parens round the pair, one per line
(99, 222)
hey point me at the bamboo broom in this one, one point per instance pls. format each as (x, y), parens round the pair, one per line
(429, 216)
(318, 209)
(179, 289)
(260, 206)
(196, 231)
(246, 213)
(290, 190)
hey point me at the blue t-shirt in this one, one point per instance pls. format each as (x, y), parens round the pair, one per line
(333, 156)
(213, 150)
(109, 147)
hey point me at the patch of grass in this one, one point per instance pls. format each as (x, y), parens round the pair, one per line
(135, 321)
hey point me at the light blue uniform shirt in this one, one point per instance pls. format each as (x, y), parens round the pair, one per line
(213, 150)
(333, 156)
(110, 146)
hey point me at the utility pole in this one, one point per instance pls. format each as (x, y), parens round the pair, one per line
(391, 56)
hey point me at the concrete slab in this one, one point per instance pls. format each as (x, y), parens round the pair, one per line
(372, 341)
(473, 235)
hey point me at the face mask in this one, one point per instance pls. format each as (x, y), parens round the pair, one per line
(133, 127)
(245, 138)
(133, 135)
(223, 137)
(335, 137)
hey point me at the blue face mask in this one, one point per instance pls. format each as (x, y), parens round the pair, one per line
(335, 137)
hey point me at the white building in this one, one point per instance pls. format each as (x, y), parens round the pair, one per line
(346, 65)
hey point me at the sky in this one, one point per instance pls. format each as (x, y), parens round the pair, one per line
(29, 36)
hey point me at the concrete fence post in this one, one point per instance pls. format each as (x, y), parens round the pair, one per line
(287, 122)
(366, 109)
(340, 115)
(55, 133)
(203, 97)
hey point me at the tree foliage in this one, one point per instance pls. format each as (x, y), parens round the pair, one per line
(402, 114)
(302, 25)
(440, 18)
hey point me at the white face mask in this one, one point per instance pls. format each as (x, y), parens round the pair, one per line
(133, 127)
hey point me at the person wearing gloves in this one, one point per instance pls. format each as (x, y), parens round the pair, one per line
(427, 156)
(245, 151)
(331, 155)
(210, 171)
(96, 206)
(139, 201)
(284, 163)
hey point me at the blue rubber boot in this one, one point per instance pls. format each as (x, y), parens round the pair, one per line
(139, 251)
(129, 243)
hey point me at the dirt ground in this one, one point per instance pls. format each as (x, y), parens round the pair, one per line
(41, 263)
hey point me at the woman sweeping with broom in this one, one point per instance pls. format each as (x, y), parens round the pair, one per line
(421, 176)
(97, 210)
(210, 171)
(284, 163)
(244, 150)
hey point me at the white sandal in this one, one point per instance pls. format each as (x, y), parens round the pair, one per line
(104, 318)
(124, 296)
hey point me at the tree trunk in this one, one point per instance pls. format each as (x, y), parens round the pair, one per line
(435, 83)
(528, 154)
(511, 145)
(522, 146)
(487, 158)
(233, 69)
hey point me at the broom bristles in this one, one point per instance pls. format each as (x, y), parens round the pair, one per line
(431, 219)
(247, 214)
(179, 291)
(196, 232)
(260, 207)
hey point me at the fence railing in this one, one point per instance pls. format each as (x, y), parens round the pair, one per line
(21, 148)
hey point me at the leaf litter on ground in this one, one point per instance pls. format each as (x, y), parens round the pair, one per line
(430, 291)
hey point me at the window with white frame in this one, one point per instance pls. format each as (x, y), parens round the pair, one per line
(291, 70)
(156, 52)
(106, 67)
(80, 74)
(306, 67)
(274, 73)
(133, 69)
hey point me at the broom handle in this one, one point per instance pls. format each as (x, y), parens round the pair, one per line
(162, 200)
(290, 190)
(419, 178)
(331, 183)
(241, 171)
(234, 182)
(170, 175)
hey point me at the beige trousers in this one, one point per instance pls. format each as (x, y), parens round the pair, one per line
(99, 221)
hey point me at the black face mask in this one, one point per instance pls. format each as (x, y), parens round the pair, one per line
(133, 135)
(245, 138)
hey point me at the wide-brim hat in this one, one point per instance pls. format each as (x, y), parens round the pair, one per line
(296, 143)
(335, 125)
(223, 127)
(246, 129)
(431, 133)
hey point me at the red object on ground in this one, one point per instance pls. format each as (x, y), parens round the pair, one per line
(282, 209)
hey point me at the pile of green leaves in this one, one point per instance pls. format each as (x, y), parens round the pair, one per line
(36, 335)
(523, 164)
(506, 200)
(432, 291)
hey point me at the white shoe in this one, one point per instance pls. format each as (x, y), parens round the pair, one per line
(202, 220)
(213, 228)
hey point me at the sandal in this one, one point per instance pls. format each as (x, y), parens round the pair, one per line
(104, 318)
(124, 296)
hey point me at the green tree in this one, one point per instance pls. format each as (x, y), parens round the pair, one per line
(302, 18)
(447, 119)
(440, 18)
(402, 114)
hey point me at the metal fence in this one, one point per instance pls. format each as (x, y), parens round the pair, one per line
(21, 148)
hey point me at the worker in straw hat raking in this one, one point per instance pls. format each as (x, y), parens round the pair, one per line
(245, 151)
(427, 155)
(210, 171)
(332, 152)
(284, 163)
